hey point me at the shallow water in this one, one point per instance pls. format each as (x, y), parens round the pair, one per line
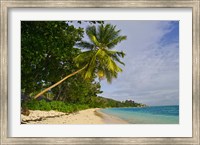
(146, 115)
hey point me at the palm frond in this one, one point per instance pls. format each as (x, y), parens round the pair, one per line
(83, 58)
(112, 66)
(115, 41)
(110, 75)
(115, 55)
(107, 33)
(90, 70)
(92, 34)
(107, 66)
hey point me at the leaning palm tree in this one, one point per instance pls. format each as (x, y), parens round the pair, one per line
(100, 59)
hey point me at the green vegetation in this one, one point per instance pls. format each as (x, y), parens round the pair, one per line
(48, 50)
(51, 53)
(101, 102)
(99, 59)
(94, 102)
(54, 105)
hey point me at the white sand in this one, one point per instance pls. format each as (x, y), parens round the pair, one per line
(89, 116)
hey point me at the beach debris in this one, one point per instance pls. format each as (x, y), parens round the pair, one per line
(37, 115)
(25, 111)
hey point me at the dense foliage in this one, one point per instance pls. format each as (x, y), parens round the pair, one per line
(48, 49)
(47, 56)
(54, 105)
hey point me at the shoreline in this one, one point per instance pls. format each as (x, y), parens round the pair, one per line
(109, 119)
(88, 116)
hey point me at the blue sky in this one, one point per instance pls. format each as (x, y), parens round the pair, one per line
(151, 73)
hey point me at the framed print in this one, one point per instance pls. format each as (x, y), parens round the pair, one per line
(100, 72)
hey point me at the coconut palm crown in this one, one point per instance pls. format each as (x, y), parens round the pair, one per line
(101, 59)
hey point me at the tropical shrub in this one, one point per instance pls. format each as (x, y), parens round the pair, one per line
(53, 105)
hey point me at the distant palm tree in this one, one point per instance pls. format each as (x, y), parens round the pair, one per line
(99, 60)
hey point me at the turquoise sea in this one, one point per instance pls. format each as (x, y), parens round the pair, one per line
(146, 115)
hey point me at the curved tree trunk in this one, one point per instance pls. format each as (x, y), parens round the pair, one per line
(59, 82)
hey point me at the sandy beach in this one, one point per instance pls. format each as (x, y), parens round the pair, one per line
(89, 116)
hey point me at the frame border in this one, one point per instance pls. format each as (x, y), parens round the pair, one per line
(194, 4)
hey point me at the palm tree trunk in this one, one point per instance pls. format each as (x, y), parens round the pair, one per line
(59, 82)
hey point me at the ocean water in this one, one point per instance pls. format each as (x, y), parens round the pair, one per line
(146, 115)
